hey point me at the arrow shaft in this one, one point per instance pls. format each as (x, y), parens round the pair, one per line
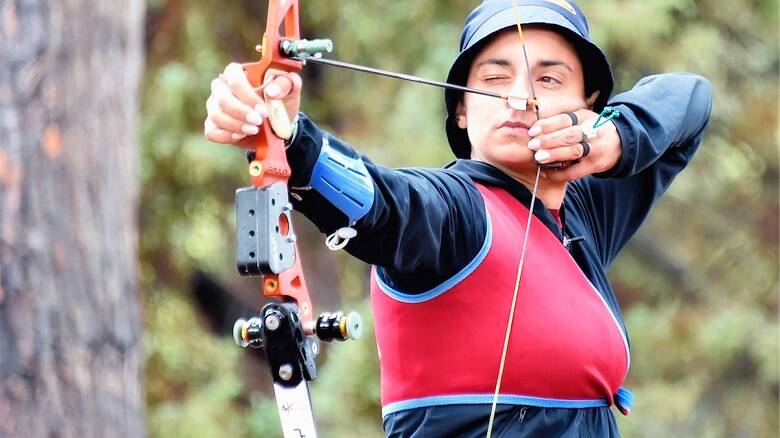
(401, 76)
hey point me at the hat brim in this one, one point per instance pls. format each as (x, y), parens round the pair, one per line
(596, 69)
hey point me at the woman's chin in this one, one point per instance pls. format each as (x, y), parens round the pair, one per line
(507, 155)
(515, 155)
(513, 162)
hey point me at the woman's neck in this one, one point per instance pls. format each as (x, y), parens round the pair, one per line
(551, 193)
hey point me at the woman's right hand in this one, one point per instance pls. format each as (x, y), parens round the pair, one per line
(235, 110)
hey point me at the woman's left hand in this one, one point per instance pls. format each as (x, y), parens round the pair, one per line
(555, 139)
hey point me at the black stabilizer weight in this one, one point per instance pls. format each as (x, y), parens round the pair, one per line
(337, 326)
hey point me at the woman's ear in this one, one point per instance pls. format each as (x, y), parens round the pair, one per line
(592, 99)
(460, 116)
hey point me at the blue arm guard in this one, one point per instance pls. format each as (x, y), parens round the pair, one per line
(344, 181)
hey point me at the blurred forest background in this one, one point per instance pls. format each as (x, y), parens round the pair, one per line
(698, 285)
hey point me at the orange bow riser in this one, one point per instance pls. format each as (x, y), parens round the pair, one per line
(269, 160)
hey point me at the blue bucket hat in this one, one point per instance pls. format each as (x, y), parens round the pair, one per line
(493, 16)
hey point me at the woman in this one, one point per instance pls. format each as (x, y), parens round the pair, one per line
(454, 247)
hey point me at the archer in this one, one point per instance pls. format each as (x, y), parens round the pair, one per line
(456, 251)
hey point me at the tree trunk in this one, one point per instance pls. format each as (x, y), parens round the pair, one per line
(70, 360)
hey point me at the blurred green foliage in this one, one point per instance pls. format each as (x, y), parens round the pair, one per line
(698, 286)
(195, 388)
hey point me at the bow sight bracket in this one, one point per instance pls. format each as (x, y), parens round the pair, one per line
(265, 242)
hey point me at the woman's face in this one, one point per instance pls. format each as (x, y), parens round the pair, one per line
(499, 133)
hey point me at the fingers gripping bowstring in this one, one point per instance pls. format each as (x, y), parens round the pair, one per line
(525, 240)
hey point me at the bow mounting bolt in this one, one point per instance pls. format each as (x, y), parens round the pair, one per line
(286, 371)
(272, 321)
(270, 285)
(255, 168)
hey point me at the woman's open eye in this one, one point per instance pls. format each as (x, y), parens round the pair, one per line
(547, 79)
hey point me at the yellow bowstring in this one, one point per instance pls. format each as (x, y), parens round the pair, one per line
(522, 251)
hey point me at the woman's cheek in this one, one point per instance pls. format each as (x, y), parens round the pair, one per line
(476, 135)
(559, 105)
(477, 125)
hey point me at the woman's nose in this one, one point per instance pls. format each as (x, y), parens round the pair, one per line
(519, 95)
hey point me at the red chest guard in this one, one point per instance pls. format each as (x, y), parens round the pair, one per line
(443, 347)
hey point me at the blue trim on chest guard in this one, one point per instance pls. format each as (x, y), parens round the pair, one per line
(344, 181)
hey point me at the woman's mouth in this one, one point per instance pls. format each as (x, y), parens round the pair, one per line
(514, 128)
